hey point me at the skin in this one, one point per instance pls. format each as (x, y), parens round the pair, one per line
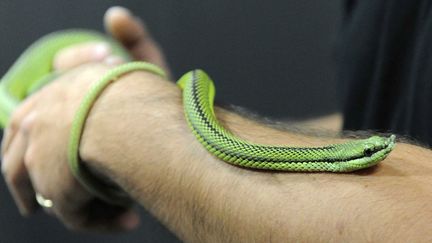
(331, 123)
(154, 157)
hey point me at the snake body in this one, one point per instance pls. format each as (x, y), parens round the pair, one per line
(198, 96)
(34, 66)
(33, 69)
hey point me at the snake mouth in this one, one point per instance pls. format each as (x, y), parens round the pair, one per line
(380, 150)
(389, 143)
(375, 151)
(391, 140)
(379, 145)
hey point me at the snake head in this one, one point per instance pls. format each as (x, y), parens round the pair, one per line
(375, 144)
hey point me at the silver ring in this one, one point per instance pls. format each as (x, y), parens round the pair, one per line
(43, 202)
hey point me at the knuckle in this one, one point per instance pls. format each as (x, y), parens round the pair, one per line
(18, 123)
(28, 122)
(14, 123)
(15, 120)
(12, 179)
(9, 176)
(30, 158)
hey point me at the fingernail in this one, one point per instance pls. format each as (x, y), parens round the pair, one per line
(101, 51)
(129, 220)
(113, 60)
(119, 10)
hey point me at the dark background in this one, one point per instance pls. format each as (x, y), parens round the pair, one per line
(272, 57)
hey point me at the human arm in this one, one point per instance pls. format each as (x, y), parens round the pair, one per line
(328, 123)
(136, 135)
(24, 176)
(162, 165)
(189, 208)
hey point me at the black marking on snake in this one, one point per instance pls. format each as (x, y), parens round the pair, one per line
(250, 158)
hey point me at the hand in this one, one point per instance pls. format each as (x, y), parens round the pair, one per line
(35, 142)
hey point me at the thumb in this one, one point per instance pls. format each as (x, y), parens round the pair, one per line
(132, 33)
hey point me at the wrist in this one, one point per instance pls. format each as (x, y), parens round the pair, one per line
(133, 114)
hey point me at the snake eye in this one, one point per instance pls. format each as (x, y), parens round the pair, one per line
(368, 151)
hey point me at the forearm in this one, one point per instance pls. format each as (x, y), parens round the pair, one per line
(203, 199)
(331, 123)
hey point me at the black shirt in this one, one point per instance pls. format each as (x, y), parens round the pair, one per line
(385, 66)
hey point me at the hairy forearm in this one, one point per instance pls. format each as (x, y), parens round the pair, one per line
(327, 123)
(144, 144)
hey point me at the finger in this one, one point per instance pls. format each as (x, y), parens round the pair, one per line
(133, 34)
(15, 121)
(71, 203)
(104, 217)
(99, 216)
(17, 177)
(80, 54)
(63, 199)
(49, 172)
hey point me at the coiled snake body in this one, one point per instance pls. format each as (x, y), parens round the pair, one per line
(34, 69)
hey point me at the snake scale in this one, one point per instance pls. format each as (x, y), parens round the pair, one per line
(33, 69)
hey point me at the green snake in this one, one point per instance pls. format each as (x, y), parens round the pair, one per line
(33, 69)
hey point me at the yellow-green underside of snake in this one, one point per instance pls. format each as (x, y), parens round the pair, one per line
(33, 69)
